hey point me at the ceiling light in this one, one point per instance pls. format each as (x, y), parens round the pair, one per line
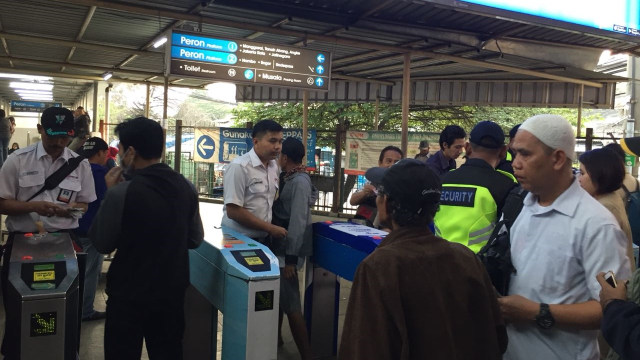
(30, 86)
(37, 97)
(107, 75)
(25, 93)
(25, 77)
(160, 42)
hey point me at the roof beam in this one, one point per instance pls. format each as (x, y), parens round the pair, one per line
(83, 28)
(194, 10)
(74, 44)
(82, 66)
(275, 24)
(360, 79)
(90, 78)
(329, 39)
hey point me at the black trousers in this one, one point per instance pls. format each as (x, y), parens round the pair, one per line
(161, 325)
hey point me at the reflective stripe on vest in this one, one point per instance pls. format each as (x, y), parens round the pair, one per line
(509, 156)
(508, 174)
(467, 215)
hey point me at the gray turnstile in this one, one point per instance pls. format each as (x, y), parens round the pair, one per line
(44, 286)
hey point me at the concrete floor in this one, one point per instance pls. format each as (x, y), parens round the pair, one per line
(92, 337)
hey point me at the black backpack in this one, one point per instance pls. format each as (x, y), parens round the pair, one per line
(496, 254)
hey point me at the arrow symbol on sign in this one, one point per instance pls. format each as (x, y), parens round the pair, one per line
(204, 147)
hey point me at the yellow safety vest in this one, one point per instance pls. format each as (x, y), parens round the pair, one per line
(467, 215)
(509, 156)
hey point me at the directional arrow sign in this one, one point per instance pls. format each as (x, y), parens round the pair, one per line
(205, 146)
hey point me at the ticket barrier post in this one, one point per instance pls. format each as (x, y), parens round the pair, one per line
(239, 277)
(44, 281)
(338, 249)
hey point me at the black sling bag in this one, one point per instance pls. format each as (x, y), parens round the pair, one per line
(56, 178)
(496, 254)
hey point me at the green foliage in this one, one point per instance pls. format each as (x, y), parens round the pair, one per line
(326, 116)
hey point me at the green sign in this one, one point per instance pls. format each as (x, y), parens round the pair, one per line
(629, 160)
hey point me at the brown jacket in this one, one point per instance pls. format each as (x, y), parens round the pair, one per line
(418, 296)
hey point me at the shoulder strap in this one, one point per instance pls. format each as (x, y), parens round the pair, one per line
(56, 178)
(513, 205)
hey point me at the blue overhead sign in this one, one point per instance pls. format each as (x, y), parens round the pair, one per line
(31, 106)
(248, 62)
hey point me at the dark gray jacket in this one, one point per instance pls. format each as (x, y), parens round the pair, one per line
(292, 210)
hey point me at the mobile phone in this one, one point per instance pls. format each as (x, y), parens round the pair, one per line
(609, 278)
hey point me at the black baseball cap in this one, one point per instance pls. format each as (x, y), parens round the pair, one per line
(92, 146)
(57, 121)
(487, 134)
(409, 182)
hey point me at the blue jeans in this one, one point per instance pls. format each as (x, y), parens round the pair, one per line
(92, 274)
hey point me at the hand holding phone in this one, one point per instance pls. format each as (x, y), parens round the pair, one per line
(610, 279)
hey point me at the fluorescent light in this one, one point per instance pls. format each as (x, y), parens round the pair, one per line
(25, 77)
(36, 97)
(160, 42)
(106, 76)
(34, 94)
(30, 86)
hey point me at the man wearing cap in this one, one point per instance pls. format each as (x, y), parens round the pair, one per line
(561, 240)
(452, 140)
(95, 150)
(292, 211)
(411, 297)
(251, 183)
(23, 175)
(473, 195)
(505, 163)
(423, 155)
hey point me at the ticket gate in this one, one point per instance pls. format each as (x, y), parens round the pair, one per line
(239, 277)
(44, 285)
(338, 249)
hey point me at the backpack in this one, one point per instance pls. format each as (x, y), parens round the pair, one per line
(633, 211)
(496, 254)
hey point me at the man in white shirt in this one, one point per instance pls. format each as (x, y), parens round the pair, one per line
(562, 238)
(251, 183)
(21, 177)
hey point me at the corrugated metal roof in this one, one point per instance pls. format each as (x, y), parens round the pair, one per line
(358, 31)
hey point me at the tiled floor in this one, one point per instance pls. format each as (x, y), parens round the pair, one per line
(91, 343)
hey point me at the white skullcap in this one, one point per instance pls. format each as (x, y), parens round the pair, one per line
(554, 131)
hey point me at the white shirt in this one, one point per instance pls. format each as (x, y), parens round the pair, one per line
(247, 183)
(557, 251)
(24, 173)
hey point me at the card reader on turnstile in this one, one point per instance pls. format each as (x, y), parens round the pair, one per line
(44, 286)
(338, 249)
(239, 277)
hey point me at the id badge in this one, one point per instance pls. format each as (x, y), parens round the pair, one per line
(65, 196)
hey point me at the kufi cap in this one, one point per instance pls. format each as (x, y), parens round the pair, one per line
(553, 131)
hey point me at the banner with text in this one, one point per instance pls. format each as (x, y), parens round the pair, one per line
(225, 144)
(363, 147)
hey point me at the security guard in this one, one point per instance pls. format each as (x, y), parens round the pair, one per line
(473, 195)
(505, 164)
(22, 176)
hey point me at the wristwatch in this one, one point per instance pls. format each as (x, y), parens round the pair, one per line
(544, 319)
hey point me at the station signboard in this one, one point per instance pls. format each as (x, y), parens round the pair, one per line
(241, 61)
(31, 106)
